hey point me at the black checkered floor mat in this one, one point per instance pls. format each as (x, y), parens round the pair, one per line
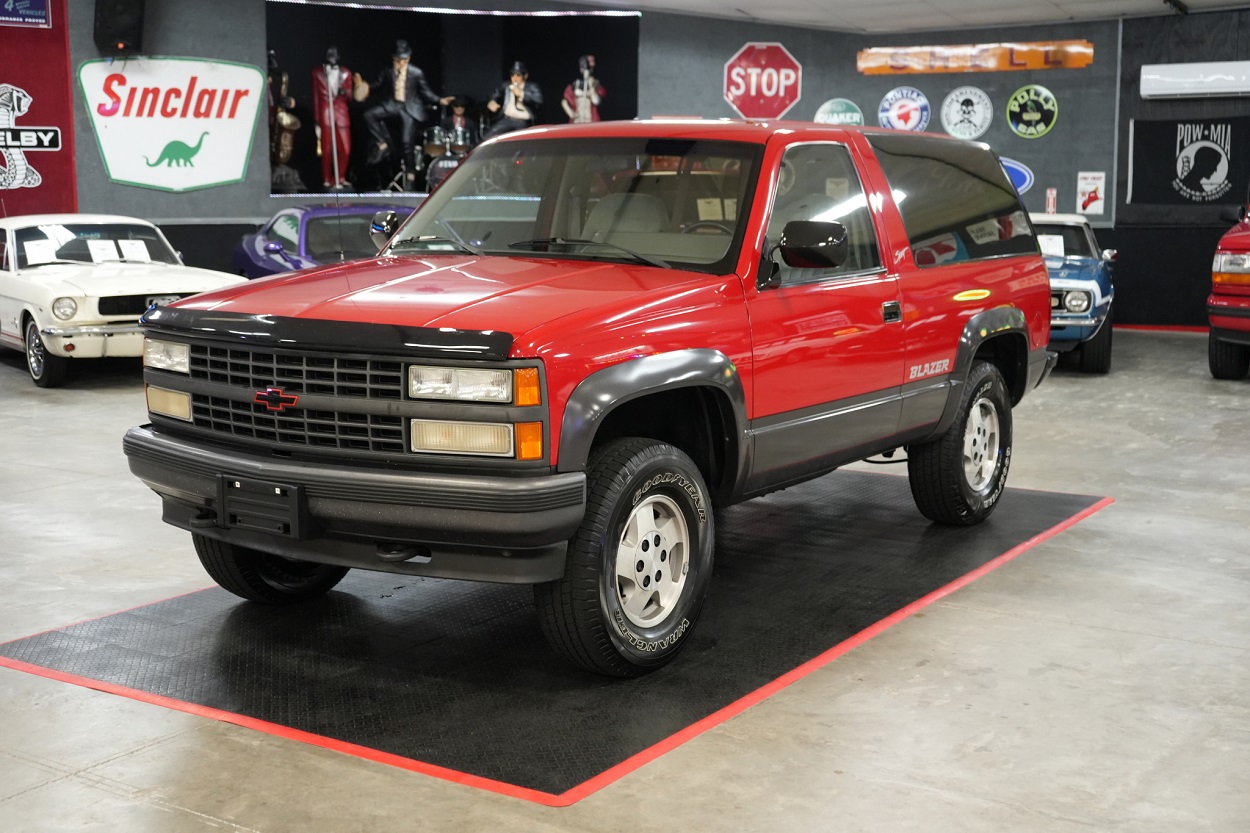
(456, 674)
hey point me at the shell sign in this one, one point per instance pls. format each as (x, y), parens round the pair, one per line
(175, 124)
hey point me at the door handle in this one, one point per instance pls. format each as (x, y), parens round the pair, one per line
(892, 312)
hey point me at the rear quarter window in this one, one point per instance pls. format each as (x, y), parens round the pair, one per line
(956, 200)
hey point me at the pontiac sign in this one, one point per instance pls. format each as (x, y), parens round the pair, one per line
(175, 124)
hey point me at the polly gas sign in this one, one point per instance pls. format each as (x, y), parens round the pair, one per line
(175, 124)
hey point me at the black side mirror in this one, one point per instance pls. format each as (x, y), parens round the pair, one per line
(1233, 213)
(273, 247)
(385, 224)
(812, 244)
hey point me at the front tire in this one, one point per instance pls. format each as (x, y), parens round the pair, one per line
(958, 478)
(260, 577)
(1096, 353)
(637, 569)
(46, 370)
(1227, 360)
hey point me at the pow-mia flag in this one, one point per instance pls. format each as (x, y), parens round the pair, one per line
(1199, 162)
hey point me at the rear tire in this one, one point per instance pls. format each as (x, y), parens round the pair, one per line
(959, 477)
(260, 577)
(637, 569)
(1096, 353)
(46, 370)
(1227, 360)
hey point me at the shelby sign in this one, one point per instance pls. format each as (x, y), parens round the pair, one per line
(175, 124)
(763, 81)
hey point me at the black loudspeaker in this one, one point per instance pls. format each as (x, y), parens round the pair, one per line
(119, 27)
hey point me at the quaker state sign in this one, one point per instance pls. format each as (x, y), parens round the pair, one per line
(1032, 111)
(839, 111)
(174, 124)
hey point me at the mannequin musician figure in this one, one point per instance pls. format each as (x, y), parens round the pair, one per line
(515, 102)
(331, 85)
(582, 97)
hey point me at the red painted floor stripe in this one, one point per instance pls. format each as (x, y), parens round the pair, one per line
(606, 777)
(246, 722)
(716, 718)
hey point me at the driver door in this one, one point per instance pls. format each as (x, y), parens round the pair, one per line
(828, 346)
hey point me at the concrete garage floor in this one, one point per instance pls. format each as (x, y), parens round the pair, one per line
(1098, 682)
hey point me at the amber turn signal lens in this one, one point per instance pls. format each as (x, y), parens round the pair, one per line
(529, 441)
(525, 383)
(1231, 278)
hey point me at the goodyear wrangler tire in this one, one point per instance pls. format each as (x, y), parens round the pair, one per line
(261, 577)
(638, 567)
(959, 477)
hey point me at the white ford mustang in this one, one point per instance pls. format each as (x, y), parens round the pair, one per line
(72, 286)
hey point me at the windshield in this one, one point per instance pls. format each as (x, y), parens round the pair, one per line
(664, 202)
(91, 243)
(1063, 241)
(342, 237)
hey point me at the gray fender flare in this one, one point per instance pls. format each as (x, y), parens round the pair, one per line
(980, 328)
(603, 391)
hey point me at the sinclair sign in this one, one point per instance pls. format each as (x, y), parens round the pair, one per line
(175, 124)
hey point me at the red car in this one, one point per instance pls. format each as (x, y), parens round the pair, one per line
(587, 339)
(1228, 307)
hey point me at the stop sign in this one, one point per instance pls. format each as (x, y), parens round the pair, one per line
(763, 81)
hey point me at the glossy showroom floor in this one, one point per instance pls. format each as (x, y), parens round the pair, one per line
(1098, 682)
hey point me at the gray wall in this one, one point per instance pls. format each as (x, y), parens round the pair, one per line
(677, 74)
(676, 78)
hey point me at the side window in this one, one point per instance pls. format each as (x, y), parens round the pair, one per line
(4, 252)
(956, 200)
(285, 229)
(819, 182)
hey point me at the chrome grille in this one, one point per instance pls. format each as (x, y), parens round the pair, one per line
(134, 305)
(299, 373)
(315, 429)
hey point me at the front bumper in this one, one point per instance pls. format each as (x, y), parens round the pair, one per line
(1068, 330)
(487, 528)
(1229, 314)
(1041, 363)
(95, 341)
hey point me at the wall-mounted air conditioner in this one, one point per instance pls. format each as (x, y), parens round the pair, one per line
(1202, 80)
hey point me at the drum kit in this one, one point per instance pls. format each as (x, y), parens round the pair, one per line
(445, 149)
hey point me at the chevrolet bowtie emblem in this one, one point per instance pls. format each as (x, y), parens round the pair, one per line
(274, 399)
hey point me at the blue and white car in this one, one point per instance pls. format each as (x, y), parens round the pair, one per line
(1081, 289)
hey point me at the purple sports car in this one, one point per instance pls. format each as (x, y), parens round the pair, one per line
(310, 235)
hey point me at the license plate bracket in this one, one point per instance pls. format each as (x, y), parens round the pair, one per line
(262, 506)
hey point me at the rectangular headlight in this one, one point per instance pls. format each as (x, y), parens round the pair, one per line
(460, 384)
(170, 403)
(166, 355)
(1231, 263)
(482, 438)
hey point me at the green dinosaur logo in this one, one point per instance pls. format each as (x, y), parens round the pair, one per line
(178, 153)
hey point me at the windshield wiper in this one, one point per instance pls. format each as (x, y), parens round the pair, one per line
(534, 245)
(413, 242)
(56, 262)
(464, 245)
